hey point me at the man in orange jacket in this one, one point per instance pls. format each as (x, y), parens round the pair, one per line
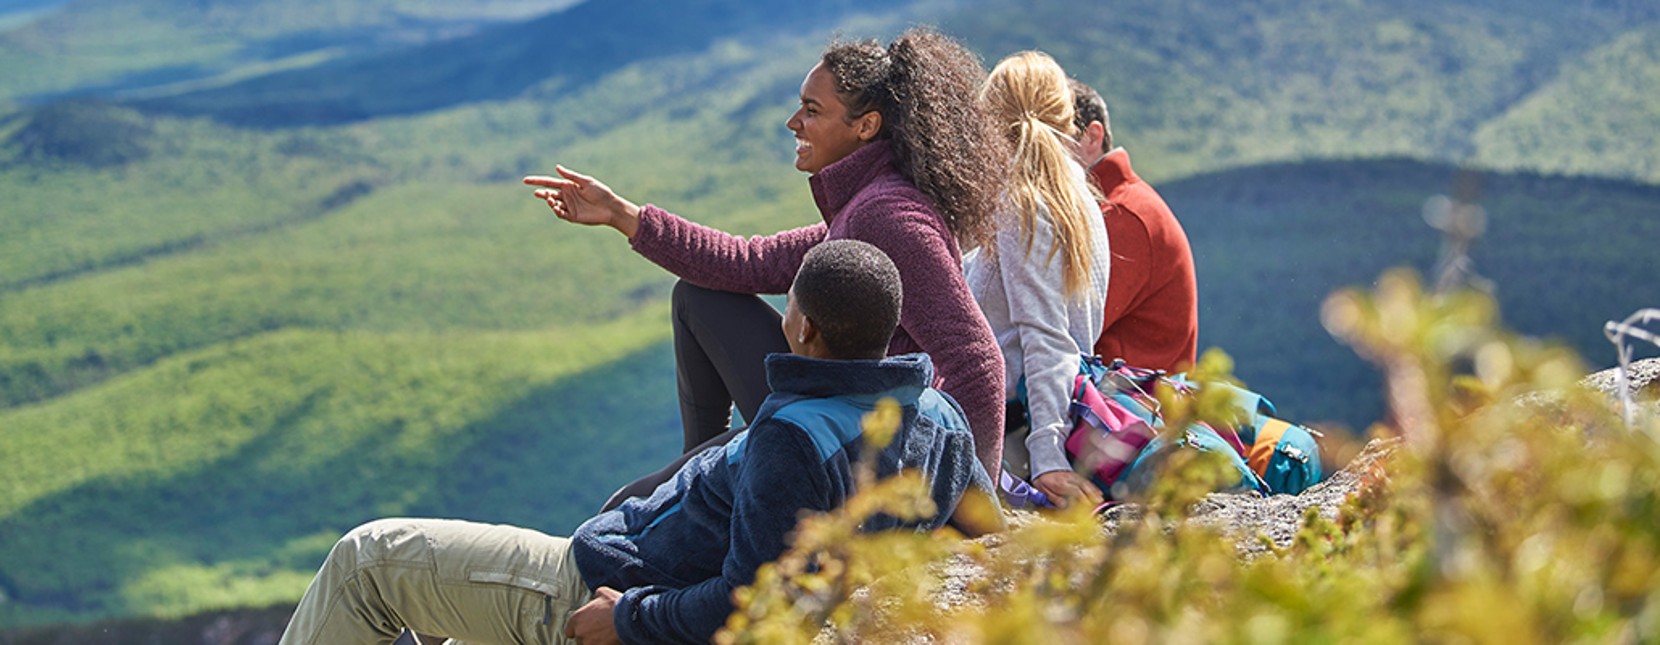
(1152, 315)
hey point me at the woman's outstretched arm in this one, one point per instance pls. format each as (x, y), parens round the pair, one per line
(578, 198)
(699, 254)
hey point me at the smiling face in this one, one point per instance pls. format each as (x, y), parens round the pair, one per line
(824, 131)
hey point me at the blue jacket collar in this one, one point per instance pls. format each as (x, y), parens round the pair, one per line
(902, 377)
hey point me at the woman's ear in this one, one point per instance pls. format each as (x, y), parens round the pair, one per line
(868, 125)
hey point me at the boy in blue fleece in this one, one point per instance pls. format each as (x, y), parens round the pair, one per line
(662, 568)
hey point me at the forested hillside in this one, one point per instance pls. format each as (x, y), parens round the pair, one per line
(1597, 117)
(270, 273)
(1271, 242)
(557, 53)
(220, 346)
(1198, 86)
(53, 48)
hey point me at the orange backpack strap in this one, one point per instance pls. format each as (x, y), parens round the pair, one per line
(1267, 439)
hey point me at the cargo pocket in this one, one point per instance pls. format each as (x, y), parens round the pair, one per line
(548, 591)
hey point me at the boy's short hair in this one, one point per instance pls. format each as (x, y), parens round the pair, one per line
(1088, 107)
(852, 293)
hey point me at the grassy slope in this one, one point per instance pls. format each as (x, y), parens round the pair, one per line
(93, 255)
(198, 184)
(423, 349)
(422, 252)
(176, 493)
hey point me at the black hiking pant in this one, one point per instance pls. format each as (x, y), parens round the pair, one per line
(721, 341)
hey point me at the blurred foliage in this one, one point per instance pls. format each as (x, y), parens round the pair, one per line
(1518, 509)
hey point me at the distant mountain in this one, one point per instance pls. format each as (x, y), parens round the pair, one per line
(102, 48)
(569, 49)
(1271, 242)
(1597, 117)
(261, 18)
(22, 6)
(1195, 85)
(1199, 86)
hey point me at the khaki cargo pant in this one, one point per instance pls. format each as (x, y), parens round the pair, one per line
(474, 583)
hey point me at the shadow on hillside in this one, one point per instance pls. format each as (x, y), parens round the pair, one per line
(549, 461)
(577, 46)
(546, 461)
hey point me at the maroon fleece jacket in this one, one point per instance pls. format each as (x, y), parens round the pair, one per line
(862, 197)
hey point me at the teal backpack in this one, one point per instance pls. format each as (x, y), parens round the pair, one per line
(1285, 455)
(1272, 455)
(1116, 438)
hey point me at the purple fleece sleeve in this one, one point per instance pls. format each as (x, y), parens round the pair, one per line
(714, 259)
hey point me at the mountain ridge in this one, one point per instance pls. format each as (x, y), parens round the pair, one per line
(497, 64)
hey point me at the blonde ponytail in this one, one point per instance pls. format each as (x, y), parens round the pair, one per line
(1027, 93)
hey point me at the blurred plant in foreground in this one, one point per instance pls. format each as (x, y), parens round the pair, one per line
(1516, 509)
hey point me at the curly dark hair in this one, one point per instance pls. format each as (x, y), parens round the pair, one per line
(851, 290)
(925, 85)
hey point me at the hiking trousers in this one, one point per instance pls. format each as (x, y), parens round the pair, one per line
(470, 582)
(721, 343)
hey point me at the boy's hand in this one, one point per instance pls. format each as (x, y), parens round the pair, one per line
(591, 624)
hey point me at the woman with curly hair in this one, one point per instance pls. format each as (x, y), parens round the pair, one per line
(900, 156)
(1042, 282)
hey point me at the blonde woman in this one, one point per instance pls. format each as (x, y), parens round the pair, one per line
(1042, 281)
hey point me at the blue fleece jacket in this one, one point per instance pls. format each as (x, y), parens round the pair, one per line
(681, 552)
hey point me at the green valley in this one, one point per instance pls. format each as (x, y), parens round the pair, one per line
(264, 276)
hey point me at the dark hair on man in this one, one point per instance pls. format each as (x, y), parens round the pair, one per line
(851, 291)
(925, 86)
(1088, 107)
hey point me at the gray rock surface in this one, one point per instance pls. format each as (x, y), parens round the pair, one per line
(1644, 377)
